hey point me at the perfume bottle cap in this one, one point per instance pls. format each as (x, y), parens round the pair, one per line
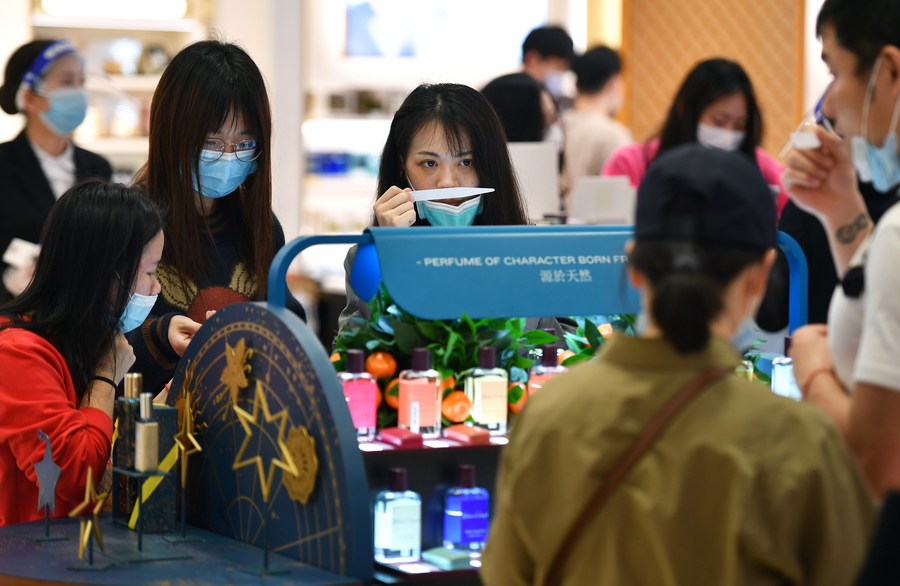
(397, 481)
(487, 357)
(146, 406)
(134, 384)
(548, 355)
(421, 359)
(356, 360)
(466, 474)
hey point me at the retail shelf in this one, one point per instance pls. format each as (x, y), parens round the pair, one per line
(175, 26)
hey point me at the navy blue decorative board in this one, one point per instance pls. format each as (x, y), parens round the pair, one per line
(265, 360)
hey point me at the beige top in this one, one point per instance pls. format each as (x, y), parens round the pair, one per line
(591, 137)
(743, 488)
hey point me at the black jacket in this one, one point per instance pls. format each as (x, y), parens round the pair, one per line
(25, 193)
(809, 234)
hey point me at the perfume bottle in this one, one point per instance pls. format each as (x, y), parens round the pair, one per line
(487, 388)
(466, 513)
(127, 412)
(420, 396)
(783, 382)
(547, 369)
(398, 521)
(146, 437)
(361, 392)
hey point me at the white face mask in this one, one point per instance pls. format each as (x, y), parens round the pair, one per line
(555, 82)
(719, 138)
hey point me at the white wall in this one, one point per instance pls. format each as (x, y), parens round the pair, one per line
(15, 30)
(269, 30)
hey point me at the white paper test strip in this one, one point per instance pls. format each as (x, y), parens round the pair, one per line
(448, 193)
(21, 253)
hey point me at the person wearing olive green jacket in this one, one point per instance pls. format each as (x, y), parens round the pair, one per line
(743, 487)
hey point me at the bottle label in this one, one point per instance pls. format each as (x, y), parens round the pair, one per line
(399, 525)
(361, 399)
(490, 402)
(537, 381)
(466, 519)
(419, 401)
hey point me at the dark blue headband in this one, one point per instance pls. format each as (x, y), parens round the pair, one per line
(51, 53)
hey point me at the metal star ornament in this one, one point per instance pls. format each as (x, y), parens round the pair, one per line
(92, 501)
(247, 420)
(47, 474)
(185, 440)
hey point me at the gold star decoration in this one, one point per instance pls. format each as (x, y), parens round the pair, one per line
(286, 462)
(234, 375)
(185, 440)
(115, 434)
(94, 500)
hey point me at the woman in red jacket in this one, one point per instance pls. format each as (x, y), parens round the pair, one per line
(62, 348)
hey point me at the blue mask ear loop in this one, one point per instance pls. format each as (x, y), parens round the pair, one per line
(867, 101)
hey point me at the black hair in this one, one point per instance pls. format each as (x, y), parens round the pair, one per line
(688, 281)
(708, 82)
(862, 31)
(91, 250)
(16, 67)
(467, 120)
(516, 98)
(549, 41)
(594, 68)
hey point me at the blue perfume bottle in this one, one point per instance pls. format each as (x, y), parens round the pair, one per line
(466, 511)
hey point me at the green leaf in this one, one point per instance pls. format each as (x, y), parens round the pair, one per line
(515, 393)
(592, 334)
(539, 337)
(407, 337)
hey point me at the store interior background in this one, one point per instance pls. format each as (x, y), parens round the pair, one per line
(332, 111)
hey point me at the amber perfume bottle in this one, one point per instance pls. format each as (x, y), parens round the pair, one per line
(146, 437)
(545, 370)
(487, 387)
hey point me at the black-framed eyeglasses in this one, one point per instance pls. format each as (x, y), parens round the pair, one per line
(213, 149)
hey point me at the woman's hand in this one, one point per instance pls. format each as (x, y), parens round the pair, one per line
(181, 332)
(822, 181)
(810, 352)
(117, 361)
(395, 208)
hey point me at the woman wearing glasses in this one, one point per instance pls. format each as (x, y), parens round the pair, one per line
(209, 169)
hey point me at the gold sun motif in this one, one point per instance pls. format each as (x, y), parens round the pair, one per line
(92, 525)
(234, 376)
(286, 462)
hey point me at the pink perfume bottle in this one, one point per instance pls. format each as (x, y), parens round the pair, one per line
(361, 392)
(545, 370)
(420, 396)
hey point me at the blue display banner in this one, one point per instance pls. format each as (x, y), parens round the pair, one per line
(506, 271)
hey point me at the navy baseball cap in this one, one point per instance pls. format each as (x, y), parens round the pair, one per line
(706, 195)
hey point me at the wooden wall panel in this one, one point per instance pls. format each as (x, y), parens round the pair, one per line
(664, 39)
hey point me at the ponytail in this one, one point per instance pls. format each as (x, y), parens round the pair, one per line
(688, 282)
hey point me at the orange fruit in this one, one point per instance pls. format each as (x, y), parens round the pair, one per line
(448, 384)
(381, 365)
(606, 330)
(335, 357)
(516, 406)
(377, 397)
(563, 355)
(392, 393)
(456, 406)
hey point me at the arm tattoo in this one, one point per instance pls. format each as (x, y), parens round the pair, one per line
(848, 232)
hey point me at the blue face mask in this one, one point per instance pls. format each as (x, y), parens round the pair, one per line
(223, 176)
(136, 311)
(879, 166)
(68, 107)
(443, 214)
